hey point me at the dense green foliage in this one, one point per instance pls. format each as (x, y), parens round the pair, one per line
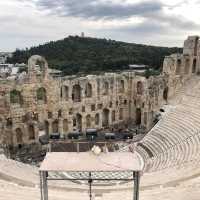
(82, 55)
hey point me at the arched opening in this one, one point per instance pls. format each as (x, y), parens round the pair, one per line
(65, 125)
(79, 122)
(35, 116)
(38, 63)
(59, 113)
(165, 94)
(194, 65)
(31, 132)
(121, 114)
(50, 115)
(88, 90)
(139, 88)
(16, 97)
(138, 116)
(74, 122)
(76, 93)
(187, 65)
(113, 116)
(64, 93)
(41, 95)
(55, 128)
(40, 66)
(121, 86)
(196, 46)
(178, 67)
(145, 118)
(19, 136)
(46, 127)
(106, 88)
(125, 102)
(97, 119)
(93, 106)
(88, 121)
(1, 123)
(9, 122)
(105, 117)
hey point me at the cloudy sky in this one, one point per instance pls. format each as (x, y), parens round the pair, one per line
(25, 23)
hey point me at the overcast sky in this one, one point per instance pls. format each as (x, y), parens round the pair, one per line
(25, 23)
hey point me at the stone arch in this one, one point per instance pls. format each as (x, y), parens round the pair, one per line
(19, 136)
(76, 93)
(65, 126)
(139, 88)
(33, 61)
(16, 97)
(88, 90)
(187, 65)
(138, 116)
(121, 86)
(194, 65)
(46, 127)
(165, 93)
(105, 117)
(106, 88)
(178, 66)
(97, 119)
(88, 121)
(55, 127)
(64, 93)
(41, 95)
(121, 114)
(31, 132)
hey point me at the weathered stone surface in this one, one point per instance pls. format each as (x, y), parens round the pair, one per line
(68, 103)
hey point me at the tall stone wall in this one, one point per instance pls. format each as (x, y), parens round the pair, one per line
(180, 67)
(39, 102)
(187, 63)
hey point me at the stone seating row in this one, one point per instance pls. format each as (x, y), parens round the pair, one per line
(176, 139)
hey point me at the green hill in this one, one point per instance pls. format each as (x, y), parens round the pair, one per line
(89, 55)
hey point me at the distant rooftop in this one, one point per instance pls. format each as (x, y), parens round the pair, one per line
(135, 66)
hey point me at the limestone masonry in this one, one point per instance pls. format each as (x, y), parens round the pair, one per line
(36, 102)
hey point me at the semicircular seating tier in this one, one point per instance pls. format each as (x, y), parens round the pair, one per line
(175, 140)
(170, 150)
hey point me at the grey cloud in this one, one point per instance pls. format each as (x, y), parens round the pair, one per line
(94, 9)
(24, 30)
(171, 21)
(157, 24)
(151, 11)
(143, 29)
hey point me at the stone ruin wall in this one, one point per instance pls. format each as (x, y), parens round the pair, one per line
(65, 104)
(180, 67)
(111, 100)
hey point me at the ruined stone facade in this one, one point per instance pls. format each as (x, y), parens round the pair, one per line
(180, 67)
(64, 104)
(187, 63)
